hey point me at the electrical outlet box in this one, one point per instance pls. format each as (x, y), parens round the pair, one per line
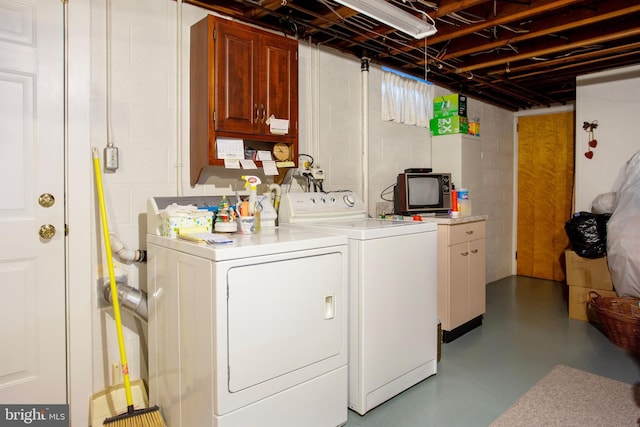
(111, 158)
(317, 173)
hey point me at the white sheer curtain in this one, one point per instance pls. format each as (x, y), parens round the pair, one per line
(406, 100)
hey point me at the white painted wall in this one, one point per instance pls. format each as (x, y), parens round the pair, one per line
(496, 132)
(143, 115)
(613, 99)
(330, 111)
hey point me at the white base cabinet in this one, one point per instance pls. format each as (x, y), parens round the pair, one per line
(461, 274)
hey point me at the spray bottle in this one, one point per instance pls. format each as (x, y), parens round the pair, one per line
(252, 182)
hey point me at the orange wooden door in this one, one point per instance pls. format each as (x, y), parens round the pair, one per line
(545, 190)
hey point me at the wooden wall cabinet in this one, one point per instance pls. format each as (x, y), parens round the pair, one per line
(239, 77)
(461, 276)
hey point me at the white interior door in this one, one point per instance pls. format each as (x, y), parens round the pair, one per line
(32, 263)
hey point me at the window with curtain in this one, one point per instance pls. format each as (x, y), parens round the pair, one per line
(406, 99)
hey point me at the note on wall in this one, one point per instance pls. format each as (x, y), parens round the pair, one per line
(278, 126)
(248, 164)
(229, 148)
(232, 163)
(269, 167)
(263, 155)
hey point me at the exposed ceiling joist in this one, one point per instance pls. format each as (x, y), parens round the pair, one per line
(516, 54)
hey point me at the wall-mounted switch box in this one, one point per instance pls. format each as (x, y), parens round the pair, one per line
(111, 158)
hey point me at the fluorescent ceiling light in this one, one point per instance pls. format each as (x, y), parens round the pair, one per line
(388, 14)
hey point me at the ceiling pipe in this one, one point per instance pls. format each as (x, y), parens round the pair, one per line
(595, 40)
(522, 14)
(542, 32)
(589, 57)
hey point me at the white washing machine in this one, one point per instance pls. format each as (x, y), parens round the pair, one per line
(249, 333)
(392, 292)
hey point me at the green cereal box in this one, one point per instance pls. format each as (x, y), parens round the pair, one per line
(449, 125)
(450, 105)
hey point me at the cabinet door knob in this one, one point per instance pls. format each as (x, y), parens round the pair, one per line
(264, 112)
(470, 232)
(464, 253)
(257, 112)
(474, 251)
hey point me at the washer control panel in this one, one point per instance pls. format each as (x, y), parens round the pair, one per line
(307, 207)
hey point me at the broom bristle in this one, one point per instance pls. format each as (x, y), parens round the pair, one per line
(149, 417)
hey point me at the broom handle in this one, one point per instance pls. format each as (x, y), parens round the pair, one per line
(112, 279)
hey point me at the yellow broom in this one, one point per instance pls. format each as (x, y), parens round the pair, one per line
(148, 417)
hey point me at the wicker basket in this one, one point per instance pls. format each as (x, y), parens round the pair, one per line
(619, 318)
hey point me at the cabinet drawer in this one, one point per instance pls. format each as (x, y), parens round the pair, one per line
(465, 232)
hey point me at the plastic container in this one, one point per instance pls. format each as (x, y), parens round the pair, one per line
(246, 224)
(463, 194)
(465, 207)
(252, 182)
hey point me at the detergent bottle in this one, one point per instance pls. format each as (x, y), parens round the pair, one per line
(252, 182)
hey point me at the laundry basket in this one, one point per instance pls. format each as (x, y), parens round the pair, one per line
(619, 318)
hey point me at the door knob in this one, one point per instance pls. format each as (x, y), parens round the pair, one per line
(47, 231)
(46, 200)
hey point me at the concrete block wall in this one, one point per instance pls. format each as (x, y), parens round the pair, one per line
(331, 112)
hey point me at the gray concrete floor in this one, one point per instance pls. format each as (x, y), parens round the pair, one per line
(525, 333)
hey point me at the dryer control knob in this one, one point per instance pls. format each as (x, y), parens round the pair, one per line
(349, 200)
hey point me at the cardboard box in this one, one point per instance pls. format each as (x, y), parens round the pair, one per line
(578, 298)
(474, 128)
(449, 125)
(450, 105)
(586, 272)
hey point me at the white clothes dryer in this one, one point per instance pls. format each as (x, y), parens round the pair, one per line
(392, 292)
(249, 333)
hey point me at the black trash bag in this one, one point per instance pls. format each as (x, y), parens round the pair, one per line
(587, 234)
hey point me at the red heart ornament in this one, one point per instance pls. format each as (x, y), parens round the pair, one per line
(589, 154)
(593, 143)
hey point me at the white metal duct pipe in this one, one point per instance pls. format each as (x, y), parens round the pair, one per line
(130, 298)
(364, 71)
